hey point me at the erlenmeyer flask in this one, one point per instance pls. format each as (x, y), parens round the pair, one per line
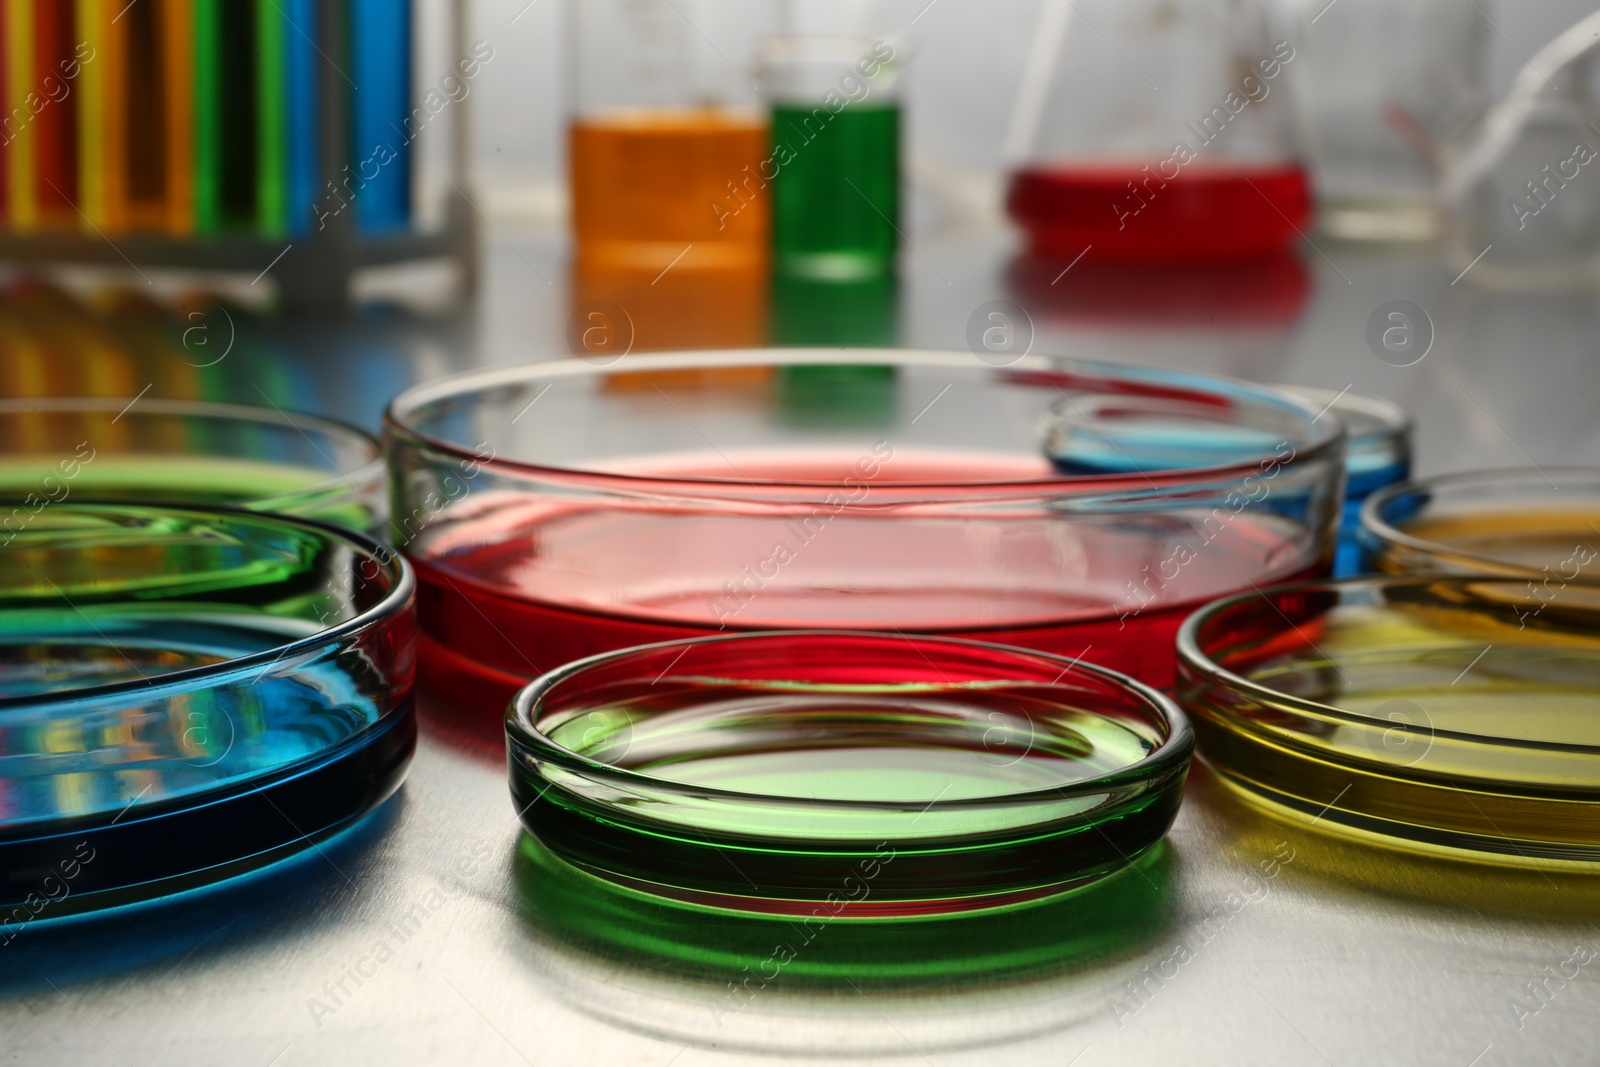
(1156, 131)
(1519, 191)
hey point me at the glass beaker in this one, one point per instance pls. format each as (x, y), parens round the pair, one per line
(1156, 131)
(832, 82)
(1522, 212)
(1378, 86)
(667, 133)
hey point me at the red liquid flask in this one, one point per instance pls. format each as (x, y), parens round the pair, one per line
(1157, 132)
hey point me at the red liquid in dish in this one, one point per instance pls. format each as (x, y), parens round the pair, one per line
(1209, 212)
(531, 583)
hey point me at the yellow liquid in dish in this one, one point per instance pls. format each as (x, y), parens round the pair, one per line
(1565, 540)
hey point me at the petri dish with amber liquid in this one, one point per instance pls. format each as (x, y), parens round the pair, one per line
(793, 773)
(553, 515)
(1452, 716)
(1542, 525)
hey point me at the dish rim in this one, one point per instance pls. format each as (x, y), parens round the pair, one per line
(1193, 659)
(371, 472)
(1172, 753)
(399, 416)
(394, 602)
(1378, 532)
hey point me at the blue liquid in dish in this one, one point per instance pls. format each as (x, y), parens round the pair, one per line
(155, 779)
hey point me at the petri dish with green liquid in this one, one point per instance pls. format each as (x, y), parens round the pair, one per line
(115, 450)
(1454, 716)
(829, 773)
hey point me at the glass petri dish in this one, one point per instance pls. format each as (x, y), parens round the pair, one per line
(1525, 523)
(559, 510)
(190, 452)
(836, 772)
(1444, 715)
(187, 694)
(1377, 455)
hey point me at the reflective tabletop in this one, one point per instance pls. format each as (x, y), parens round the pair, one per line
(420, 936)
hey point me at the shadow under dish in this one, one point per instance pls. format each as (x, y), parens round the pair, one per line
(837, 774)
(1452, 716)
(186, 694)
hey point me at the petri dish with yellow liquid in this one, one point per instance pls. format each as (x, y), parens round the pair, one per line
(1540, 524)
(1451, 715)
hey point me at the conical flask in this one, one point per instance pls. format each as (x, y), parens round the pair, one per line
(1156, 131)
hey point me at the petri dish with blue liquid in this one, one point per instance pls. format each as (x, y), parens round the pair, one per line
(1124, 434)
(187, 694)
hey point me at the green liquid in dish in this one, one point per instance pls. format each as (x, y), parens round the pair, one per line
(183, 479)
(893, 749)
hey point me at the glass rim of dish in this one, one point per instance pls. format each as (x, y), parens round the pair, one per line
(399, 417)
(523, 729)
(1392, 419)
(373, 468)
(1375, 528)
(1192, 657)
(393, 564)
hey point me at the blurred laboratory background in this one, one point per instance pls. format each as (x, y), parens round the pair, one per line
(200, 202)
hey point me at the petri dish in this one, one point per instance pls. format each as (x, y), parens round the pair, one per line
(187, 694)
(838, 773)
(559, 510)
(1377, 455)
(190, 452)
(1542, 525)
(1109, 434)
(1444, 715)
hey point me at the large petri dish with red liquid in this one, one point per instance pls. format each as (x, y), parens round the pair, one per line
(562, 509)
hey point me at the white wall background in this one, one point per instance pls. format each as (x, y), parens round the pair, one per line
(963, 78)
